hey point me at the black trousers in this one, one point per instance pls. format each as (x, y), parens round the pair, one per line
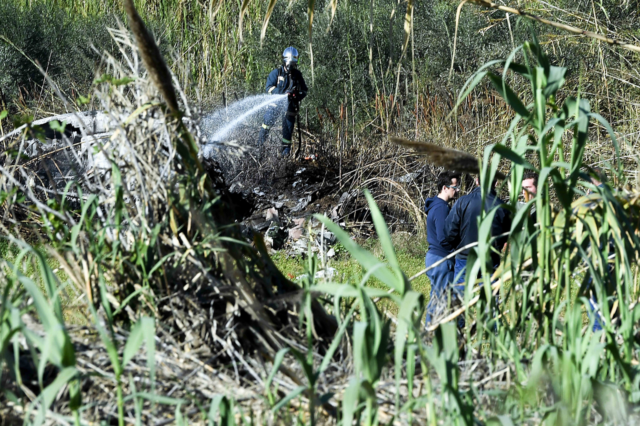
(288, 122)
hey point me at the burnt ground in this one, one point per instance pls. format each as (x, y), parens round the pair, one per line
(279, 196)
(266, 193)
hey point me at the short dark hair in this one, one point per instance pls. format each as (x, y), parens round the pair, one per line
(530, 174)
(494, 183)
(444, 179)
(599, 172)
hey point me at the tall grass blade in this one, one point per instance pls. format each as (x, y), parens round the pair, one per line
(152, 58)
(222, 406)
(270, 7)
(334, 6)
(385, 241)
(408, 25)
(291, 395)
(366, 259)
(277, 361)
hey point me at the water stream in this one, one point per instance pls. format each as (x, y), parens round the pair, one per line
(221, 123)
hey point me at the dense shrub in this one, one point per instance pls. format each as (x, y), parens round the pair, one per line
(207, 55)
(59, 42)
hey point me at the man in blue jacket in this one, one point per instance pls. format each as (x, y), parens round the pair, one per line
(286, 79)
(437, 209)
(461, 229)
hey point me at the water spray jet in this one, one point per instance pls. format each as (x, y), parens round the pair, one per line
(243, 109)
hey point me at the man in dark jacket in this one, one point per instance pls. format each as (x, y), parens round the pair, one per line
(529, 185)
(461, 228)
(437, 209)
(285, 79)
(529, 192)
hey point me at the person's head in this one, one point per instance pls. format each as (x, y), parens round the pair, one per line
(493, 184)
(448, 184)
(597, 175)
(290, 58)
(529, 185)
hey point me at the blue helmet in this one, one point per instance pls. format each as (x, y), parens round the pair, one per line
(290, 58)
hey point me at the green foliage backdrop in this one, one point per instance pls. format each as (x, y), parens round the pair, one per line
(201, 39)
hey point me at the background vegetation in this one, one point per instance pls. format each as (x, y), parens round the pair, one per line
(186, 322)
(358, 61)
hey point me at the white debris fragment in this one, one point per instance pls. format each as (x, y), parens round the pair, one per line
(327, 273)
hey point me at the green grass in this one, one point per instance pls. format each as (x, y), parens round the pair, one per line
(410, 251)
(71, 309)
(555, 371)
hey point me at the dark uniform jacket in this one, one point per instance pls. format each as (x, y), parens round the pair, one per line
(461, 226)
(279, 82)
(437, 210)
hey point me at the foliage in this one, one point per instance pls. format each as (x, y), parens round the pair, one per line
(357, 70)
(62, 46)
(409, 252)
(132, 251)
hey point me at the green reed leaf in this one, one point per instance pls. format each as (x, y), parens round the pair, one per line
(508, 94)
(366, 259)
(385, 241)
(277, 361)
(284, 401)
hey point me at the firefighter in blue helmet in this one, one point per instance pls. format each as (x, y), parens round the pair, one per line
(286, 79)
